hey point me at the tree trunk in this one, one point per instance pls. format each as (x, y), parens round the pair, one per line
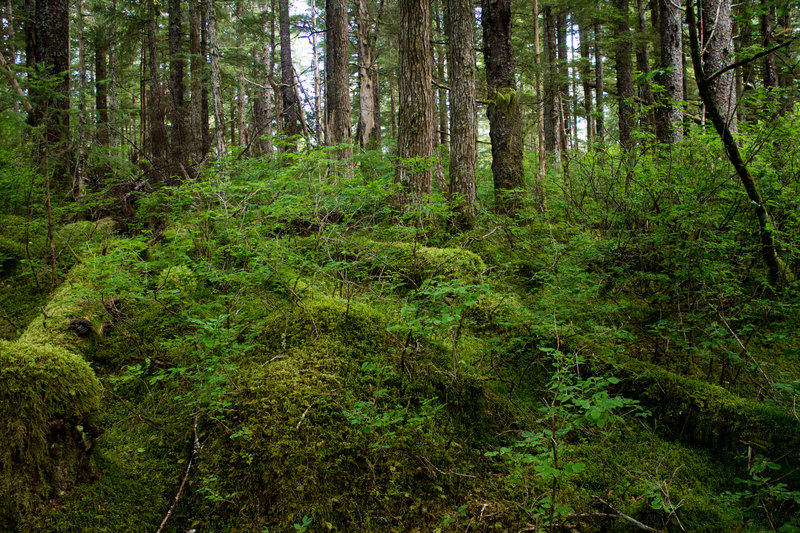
(291, 106)
(318, 118)
(505, 119)
(12, 48)
(623, 50)
(79, 177)
(366, 94)
(552, 105)
(600, 121)
(669, 113)
(216, 78)
(540, 122)
(241, 94)
(717, 46)
(585, 72)
(441, 135)
(770, 69)
(178, 140)
(50, 62)
(563, 79)
(206, 79)
(101, 87)
(337, 76)
(197, 66)
(643, 66)
(415, 121)
(158, 130)
(460, 28)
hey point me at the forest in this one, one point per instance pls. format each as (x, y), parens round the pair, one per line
(399, 265)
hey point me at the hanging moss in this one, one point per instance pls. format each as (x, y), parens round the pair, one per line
(47, 395)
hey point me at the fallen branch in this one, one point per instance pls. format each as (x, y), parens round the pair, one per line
(195, 451)
(626, 517)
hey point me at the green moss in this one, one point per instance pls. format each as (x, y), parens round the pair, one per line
(46, 397)
(11, 252)
(701, 413)
(322, 427)
(69, 302)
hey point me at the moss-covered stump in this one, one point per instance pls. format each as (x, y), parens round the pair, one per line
(47, 395)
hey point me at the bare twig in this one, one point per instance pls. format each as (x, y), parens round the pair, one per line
(195, 451)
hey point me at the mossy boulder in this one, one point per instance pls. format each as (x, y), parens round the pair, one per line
(47, 396)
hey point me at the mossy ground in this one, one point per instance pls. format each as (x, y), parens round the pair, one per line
(379, 376)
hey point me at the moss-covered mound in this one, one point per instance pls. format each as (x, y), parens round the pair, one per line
(324, 428)
(46, 397)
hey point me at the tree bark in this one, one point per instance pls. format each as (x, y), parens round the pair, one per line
(540, 122)
(241, 92)
(625, 90)
(291, 106)
(441, 135)
(178, 141)
(337, 76)
(563, 79)
(50, 62)
(79, 176)
(600, 121)
(206, 79)
(505, 119)
(643, 66)
(415, 118)
(585, 72)
(197, 65)
(770, 69)
(717, 47)
(158, 130)
(216, 78)
(366, 69)
(669, 113)
(101, 87)
(460, 29)
(552, 101)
